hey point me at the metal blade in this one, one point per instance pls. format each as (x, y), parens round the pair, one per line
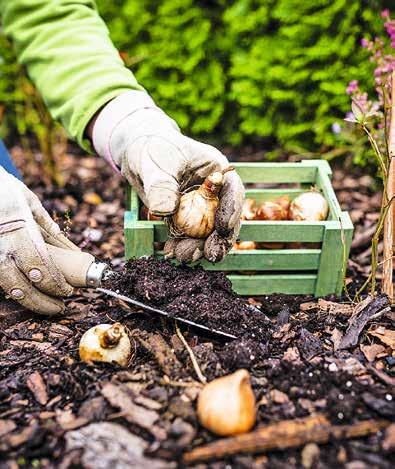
(163, 313)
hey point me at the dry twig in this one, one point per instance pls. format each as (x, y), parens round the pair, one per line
(281, 435)
(195, 364)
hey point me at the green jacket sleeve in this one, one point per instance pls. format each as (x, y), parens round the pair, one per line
(66, 48)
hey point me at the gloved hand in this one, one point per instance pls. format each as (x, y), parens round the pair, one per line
(28, 274)
(146, 145)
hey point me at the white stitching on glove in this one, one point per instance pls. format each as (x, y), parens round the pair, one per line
(28, 274)
(138, 138)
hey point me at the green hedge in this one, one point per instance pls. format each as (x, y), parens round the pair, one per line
(248, 71)
(268, 71)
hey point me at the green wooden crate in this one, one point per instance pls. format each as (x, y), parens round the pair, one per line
(293, 271)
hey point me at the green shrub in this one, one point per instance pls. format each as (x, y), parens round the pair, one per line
(294, 59)
(245, 71)
(248, 71)
(174, 45)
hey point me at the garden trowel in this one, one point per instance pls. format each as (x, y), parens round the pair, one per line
(82, 270)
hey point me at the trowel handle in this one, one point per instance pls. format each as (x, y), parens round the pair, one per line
(79, 268)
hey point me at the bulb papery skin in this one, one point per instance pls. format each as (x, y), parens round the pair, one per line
(195, 216)
(99, 345)
(309, 206)
(271, 211)
(248, 211)
(226, 406)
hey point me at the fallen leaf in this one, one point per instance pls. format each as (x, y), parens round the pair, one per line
(371, 351)
(368, 309)
(107, 444)
(387, 336)
(37, 387)
(335, 308)
(118, 397)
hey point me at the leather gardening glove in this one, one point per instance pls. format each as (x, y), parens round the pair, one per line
(28, 274)
(146, 145)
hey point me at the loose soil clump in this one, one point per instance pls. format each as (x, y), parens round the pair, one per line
(191, 293)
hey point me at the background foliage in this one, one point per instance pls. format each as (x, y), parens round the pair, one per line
(242, 71)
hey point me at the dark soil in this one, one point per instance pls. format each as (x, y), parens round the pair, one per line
(202, 296)
(49, 398)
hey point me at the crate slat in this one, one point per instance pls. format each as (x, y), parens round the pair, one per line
(330, 262)
(132, 204)
(139, 237)
(297, 284)
(324, 183)
(261, 195)
(280, 173)
(262, 259)
(347, 229)
(267, 231)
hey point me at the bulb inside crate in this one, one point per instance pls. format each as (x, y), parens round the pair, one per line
(308, 256)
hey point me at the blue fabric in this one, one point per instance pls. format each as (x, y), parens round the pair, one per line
(6, 161)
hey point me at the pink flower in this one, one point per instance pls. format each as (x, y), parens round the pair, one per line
(390, 28)
(364, 42)
(385, 13)
(352, 87)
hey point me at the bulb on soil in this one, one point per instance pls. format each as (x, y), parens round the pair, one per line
(107, 343)
(309, 206)
(195, 216)
(226, 406)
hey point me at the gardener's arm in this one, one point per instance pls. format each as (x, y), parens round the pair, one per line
(68, 53)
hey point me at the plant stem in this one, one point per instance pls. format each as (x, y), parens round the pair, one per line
(389, 222)
(377, 151)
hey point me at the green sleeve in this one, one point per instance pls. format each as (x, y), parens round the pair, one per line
(66, 48)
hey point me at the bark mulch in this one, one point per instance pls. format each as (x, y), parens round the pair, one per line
(310, 360)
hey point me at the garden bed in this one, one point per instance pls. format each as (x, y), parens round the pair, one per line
(55, 410)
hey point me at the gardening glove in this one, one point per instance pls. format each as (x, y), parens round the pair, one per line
(28, 274)
(146, 145)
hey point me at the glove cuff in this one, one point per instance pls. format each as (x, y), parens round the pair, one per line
(112, 115)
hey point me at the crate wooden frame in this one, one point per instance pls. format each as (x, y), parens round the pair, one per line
(292, 271)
